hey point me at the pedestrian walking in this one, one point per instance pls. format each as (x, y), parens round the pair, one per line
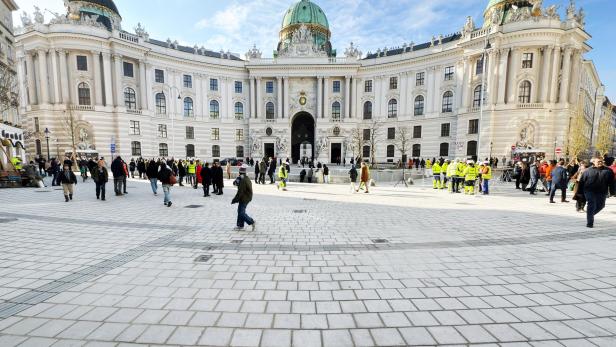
(578, 190)
(68, 180)
(364, 178)
(166, 177)
(283, 175)
(310, 174)
(228, 168)
(117, 169)
(100, 175)
(596, 182)
(271, 170)
(206, 179)
(325, 174)
(152, 174)
(182, 171)
(559, 179)
(243, 197)
(132, 167)
(534, 177)
(353, 178)
(257, 172)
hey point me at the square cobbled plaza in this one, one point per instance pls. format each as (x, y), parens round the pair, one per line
(324, 267)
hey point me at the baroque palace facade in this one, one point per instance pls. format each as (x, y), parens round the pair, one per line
(151, 98)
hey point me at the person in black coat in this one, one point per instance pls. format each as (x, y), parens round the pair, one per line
(100, 175)
(271, 170)
(117, 169)
(206, 179)
(152, 173)
(181, 172)
(141, 167)
(596, 182)
(257, 172)
(68, 181)
(220, 179)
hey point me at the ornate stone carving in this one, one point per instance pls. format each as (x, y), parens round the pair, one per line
(302, 45)
(140, 31)
(526, 137)
(253, 53)
(352, 52)
(26, 21)
(551, 12)
(536, 10)
(469, 26)
(38, 16)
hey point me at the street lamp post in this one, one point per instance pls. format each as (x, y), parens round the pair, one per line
(170, 88)
(47, 132)
(482, 91)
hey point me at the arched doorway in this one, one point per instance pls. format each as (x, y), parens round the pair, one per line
(302, 135)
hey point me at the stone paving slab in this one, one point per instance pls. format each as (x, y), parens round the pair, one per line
(325, 268)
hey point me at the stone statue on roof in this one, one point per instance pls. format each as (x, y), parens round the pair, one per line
(38, 16)
(25, 19)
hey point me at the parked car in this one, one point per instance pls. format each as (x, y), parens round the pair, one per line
(233, 161)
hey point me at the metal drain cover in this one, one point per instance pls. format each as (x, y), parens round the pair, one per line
(8, 220)
(380, 241)
(194, 206)
(203, 258)
(300, 211)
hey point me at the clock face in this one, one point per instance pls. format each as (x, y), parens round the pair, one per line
(302, 100)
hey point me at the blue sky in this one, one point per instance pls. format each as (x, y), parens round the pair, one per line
(236, 25)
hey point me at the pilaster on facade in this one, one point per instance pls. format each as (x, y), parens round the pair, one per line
(32, 96)
(55, 78)
(279, 97)
(43, 78)
(545, 73)
(566, 75)
(319, 97)
(347, 97)
(285, 106)
(98, 86)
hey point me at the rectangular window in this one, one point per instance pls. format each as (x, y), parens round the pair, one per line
(391, 133)
(366, 134)
(449, 73)
(420, 79)
(159, 76)
(215, 134)
(190, 151)
(162, 130)
(368, 86)
(187, 81)
(128, 70)
(336, 87)
(527, 61)
(239, 134)
(239, 87)
(37, 126)
(82, 63)
(213, 84)
(269, 87)
(445, 129)
(190, 133)
(135, 148)
(479, 66)
(135, 128)
(417, 132)
(473, 126)
(393, 83)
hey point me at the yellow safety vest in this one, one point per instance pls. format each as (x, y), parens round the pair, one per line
(436, 169)
(428, 164)
(192, 168)
(460, 169)
(451, 170)
(487, 174)
(470, 174)
(16, 163)
(444, 168)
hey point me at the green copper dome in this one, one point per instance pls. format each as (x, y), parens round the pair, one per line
(305, 12)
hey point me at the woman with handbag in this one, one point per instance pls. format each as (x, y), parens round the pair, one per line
(578, 190)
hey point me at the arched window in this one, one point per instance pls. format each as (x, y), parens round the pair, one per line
(239, 110)
(477, 96)
(391, 151)
(239, 151)
(190, 151)
(368, 110)
(336, 110)
(214, 109)
(161, 103)
(188, 107)
(163, 150)
(269, 110)
(416, 150)
(130, 99)
(365, 152)
(84, 94)
(392, 108)
(524, 96)
(448, 101)
(419, 105)
(444, 150)
(471, 148)
(215, 151)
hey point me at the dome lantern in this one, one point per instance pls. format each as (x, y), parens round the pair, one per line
(306, 15)
(104, 11)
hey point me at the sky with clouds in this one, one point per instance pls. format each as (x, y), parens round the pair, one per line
(236, 25)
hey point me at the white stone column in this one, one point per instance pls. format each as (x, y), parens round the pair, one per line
(438, 78)
(574, 79)
(403, 91)
(252, 87)
(319, 97)
(149, 88)
(554, 76)
(98, 81)
(545, 73)
(143, 86)
(564, 84)
(357, 97)
(285, 104)
(502, 76)
(512, 88)
(23, 81)
(108, 80)
(43, 82)
(466, 78)
(64, 78)
(31, 79)
(55, 77)
(258, 101)
(347, 96)
(117, 86)
(430, 96)
(491, 78)
(278, 97)
(326, 105)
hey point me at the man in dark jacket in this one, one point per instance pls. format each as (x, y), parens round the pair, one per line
(206, 179)
(595, 182)
(220, 179)
(164, 175)
(243, 198)
(117, 169)
(271, 170)
(181, 172)
(152, 173)
(68, 181)
(534, 177)
(100, 175)
(560, 179)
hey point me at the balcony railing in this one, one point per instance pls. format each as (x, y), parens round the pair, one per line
(133, 111)
(81, 107)
(129, 37)
(530, 105)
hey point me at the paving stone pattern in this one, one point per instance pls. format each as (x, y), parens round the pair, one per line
(397, 267)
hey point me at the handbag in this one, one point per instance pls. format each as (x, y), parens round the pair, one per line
(172, 179)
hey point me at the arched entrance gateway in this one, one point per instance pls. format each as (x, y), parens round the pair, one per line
(302, 137)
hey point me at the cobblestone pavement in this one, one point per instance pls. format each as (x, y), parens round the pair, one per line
(325, 267)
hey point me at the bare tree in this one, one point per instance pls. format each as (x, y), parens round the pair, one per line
(605, 133)
(9, 98)
(375, 133)
(403, 141)
(70, 125)
(356, 142)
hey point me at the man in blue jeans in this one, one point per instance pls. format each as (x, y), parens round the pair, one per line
(595, 183)
(243, 198)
